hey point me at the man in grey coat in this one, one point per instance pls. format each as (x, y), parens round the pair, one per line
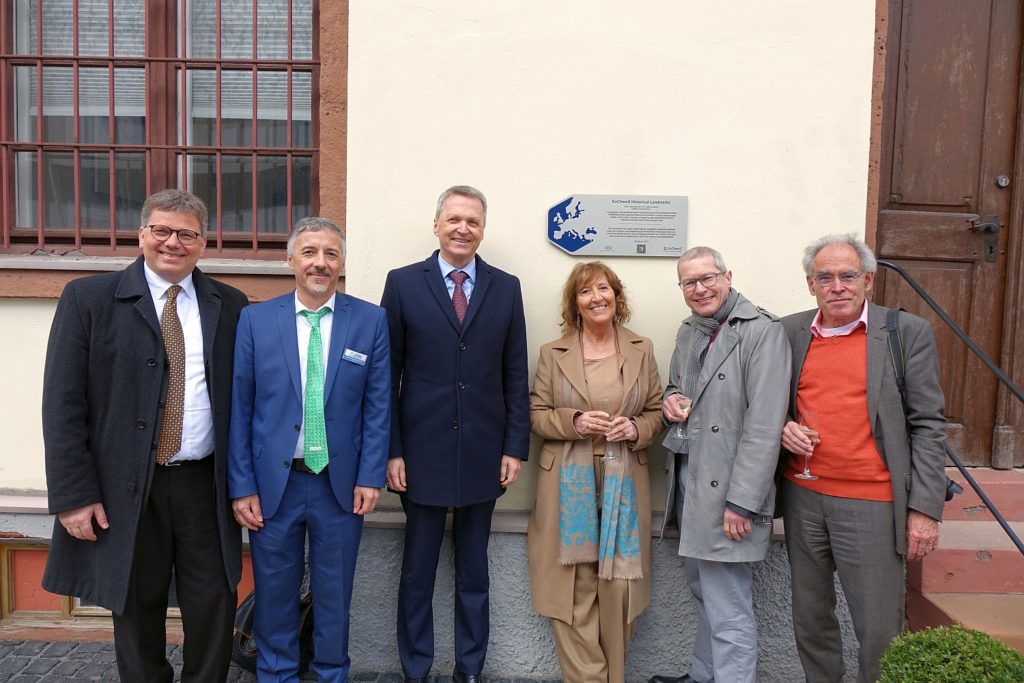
(725, 400)
(136, 398)
(869, 492)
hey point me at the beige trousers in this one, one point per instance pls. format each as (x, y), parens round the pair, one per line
(593, 648)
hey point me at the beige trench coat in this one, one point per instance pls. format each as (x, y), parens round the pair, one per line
(552, 582)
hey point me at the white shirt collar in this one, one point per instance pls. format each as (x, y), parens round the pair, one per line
(299, 306)
(159, 285)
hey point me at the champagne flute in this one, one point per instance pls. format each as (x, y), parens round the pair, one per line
(684, 405)
(809, 426)
(602, 403)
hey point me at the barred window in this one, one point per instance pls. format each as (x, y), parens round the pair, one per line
(107, 101)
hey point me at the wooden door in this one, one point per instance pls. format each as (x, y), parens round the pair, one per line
(949, 131)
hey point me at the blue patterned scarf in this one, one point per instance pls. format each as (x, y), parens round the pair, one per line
(613, 538)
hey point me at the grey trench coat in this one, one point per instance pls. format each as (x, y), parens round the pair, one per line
(739, 409)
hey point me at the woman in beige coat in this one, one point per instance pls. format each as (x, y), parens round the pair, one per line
(596, 401)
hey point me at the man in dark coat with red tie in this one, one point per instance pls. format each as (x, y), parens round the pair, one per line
(460, 423)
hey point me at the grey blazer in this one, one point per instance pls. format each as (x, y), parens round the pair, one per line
(911, 445)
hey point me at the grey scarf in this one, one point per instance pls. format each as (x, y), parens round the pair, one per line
(703, 329)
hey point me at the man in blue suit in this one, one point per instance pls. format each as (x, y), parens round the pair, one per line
(308, 448)
(461, 425)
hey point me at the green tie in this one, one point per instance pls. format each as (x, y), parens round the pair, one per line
(314, 443)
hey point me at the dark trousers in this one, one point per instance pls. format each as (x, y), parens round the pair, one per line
(424, 532)
(178, 529)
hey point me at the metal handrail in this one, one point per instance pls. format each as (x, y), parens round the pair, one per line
(957, 330)
(986, 500)
(990, 364)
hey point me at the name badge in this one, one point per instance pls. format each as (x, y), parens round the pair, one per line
(354, 357)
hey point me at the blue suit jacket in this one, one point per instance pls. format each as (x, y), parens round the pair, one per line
(266, 407)
(461, 391)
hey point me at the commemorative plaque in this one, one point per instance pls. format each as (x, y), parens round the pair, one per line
(596, 225)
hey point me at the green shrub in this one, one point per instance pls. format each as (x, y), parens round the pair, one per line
(950, 654)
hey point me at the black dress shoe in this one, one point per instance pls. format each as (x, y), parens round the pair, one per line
(459, 677)
(685, 678)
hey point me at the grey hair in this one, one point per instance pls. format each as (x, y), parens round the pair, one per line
(176, 201)
(315, 224)
(464, 191)
(694, 253)
(868, 262)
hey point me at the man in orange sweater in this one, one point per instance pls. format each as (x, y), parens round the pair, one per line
(871, 496)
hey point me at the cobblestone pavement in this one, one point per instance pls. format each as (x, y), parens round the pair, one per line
(27, 661)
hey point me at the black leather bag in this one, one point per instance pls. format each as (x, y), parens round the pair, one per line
(243, 645)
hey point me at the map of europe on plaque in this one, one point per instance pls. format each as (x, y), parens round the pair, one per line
(619, 225)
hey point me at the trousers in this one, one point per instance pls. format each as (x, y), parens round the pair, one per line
(857, 539)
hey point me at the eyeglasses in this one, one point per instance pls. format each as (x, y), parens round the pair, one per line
(846, 279)
(162, 233)
(708, 280)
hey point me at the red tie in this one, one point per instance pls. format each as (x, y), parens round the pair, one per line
(459, 296)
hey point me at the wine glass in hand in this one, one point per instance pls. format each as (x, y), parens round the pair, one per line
(684, 405)
(809, 426)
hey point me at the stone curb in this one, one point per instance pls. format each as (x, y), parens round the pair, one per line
(30, 661)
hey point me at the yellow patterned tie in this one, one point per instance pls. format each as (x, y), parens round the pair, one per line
(314, 444)
(174, 406)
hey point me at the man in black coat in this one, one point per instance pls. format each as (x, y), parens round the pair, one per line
(136, 400)
(460, 423)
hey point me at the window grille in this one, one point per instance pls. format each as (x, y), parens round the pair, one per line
(215, 96)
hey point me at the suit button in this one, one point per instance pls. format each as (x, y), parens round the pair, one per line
(151, 362)
(462, 346)
(714, 428)
(714, 484)
(140, 424)
(455, 424)
(462, 385)
(287, 463)
(131, 488)
(721, 375)
(297, 427)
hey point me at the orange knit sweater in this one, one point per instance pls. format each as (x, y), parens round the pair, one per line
(833, 381)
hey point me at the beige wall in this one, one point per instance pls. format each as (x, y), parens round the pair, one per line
(25, 324)
(758, 112)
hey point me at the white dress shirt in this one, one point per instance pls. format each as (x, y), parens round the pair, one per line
(197, 423)
(303, 328)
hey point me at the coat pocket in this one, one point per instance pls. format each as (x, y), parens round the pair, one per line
(547, 457)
